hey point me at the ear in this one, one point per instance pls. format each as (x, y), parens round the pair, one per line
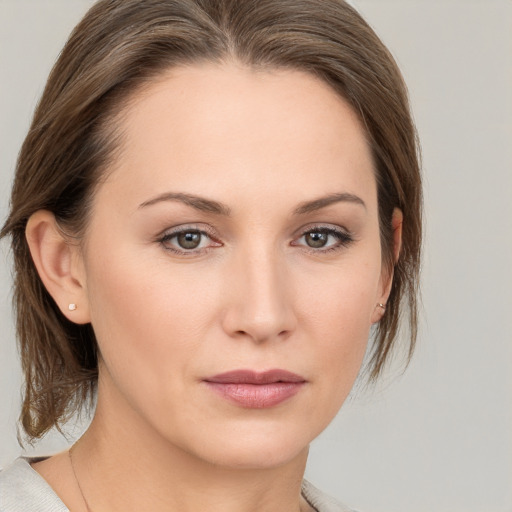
(59, 264)
(386, 279)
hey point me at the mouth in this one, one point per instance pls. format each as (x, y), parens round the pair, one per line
(256, 390)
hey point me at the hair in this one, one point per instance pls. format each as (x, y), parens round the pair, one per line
(117, 48)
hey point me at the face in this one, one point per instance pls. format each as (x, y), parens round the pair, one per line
(232, 264)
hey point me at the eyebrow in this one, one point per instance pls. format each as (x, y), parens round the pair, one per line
(322, 202)
(199, 203)
(210, 206)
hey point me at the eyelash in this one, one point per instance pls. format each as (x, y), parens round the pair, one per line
(344, 239)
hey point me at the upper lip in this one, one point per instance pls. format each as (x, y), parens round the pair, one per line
(254, 377)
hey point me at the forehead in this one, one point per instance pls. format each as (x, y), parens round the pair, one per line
(200, 128)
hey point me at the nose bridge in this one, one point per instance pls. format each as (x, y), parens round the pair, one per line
(261, 307)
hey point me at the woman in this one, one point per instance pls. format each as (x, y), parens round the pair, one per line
(215, 203)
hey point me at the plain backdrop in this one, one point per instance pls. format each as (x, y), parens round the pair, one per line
(439, 437)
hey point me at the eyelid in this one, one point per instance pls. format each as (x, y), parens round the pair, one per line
(203, 228)
(323, 227)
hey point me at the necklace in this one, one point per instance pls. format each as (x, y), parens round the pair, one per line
(76, 480)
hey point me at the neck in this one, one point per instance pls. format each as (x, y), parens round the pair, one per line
(134, 468)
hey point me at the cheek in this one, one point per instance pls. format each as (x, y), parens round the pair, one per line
(149, 324)
(341, 299)
(337, 314)
(340, 325)
(145, 316)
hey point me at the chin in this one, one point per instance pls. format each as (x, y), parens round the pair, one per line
(262, 446)
(267, 456)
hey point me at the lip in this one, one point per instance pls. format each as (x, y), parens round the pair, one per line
(256, 390)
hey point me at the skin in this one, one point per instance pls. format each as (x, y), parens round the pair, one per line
(254, 294)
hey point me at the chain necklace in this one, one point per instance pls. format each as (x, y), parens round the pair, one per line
(76, 479)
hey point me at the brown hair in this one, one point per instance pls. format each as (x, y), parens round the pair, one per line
(115, 49)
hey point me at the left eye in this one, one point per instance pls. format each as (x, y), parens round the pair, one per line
(324, 238)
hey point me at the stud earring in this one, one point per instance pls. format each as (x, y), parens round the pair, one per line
(382, 306)
(72, 307)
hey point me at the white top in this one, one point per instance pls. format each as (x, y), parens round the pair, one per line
(22, 489)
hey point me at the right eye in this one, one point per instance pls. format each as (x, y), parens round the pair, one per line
(188, 241)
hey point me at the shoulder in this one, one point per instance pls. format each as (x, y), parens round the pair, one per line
(321, 501)
(23, 490)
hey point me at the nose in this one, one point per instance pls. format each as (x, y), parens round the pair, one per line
(259, 298)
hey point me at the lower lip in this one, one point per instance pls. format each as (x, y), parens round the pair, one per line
(256, 396)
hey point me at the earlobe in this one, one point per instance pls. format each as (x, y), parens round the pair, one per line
(378, 312)
(59, 265)
(387, 273)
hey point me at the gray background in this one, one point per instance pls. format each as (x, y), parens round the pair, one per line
(439, 437)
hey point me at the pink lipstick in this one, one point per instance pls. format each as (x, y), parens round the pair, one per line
(256, 390)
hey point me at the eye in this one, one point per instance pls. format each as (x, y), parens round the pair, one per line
(323, 239)
(188, 241)
(316, 239)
